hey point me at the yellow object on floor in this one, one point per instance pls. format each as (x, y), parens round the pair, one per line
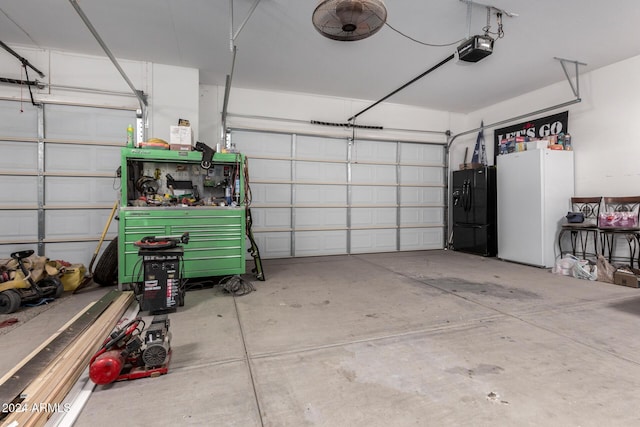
(73, 276)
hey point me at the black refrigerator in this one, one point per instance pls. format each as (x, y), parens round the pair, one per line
(474, 211)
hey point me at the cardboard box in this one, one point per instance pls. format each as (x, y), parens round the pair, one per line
(180, 147)
(180, 138)
(470, 166)
(537, 145)
(627, 278)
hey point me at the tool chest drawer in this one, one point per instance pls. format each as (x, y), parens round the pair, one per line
(216, 239)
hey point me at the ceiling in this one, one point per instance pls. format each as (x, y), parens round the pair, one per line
(279, 49)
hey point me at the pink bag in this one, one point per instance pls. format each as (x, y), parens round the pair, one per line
(618, 220)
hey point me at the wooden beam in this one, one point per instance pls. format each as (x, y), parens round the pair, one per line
(14, 371)
(45, 392)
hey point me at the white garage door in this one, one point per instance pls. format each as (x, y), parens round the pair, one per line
(58, 166)
(316, 195)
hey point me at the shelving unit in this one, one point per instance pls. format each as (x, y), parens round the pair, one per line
(217, 233)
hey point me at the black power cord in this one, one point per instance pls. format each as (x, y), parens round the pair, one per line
(236, 285)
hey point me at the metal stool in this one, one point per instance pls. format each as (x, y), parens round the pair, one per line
(580, 232)
(620, 217)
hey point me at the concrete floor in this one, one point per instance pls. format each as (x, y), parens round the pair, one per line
(435, 338)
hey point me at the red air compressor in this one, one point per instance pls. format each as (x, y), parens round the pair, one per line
(125, 355)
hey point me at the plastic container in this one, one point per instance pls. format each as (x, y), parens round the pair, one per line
(130, 138)
(227, 195)
(236, 190)
(567, 142)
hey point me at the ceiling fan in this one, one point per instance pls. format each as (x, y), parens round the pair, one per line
(349, 20)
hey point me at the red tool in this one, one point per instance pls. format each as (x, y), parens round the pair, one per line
(124, 355)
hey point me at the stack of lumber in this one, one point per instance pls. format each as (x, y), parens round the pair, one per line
(44, 394)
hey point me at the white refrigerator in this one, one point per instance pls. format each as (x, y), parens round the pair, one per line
(534, 192)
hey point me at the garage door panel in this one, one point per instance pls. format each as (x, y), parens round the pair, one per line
(430, 216)
(367, 241)
(17, 190)
(87, 124)
(262, 144)
(311, 243)
(321, 148)
(77, 223)
(19, 156)
(18, 225)
(320, 194)
(79, 144)
(18, 119)
(369, 217)
(270, 170)
(321, 172)
(70, 158)
(370, 195)
(421, 153)
(320, 217)
(73, 252)
(374, 151)
(373, 174)
(271, 217)
(417, 239)
(68, 191)
(422, 195)
(273, 194)
(421, 175)
(7, 249)
(273, 244)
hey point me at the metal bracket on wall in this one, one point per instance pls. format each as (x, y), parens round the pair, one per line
(563, 62)
(575, 89)
(233, 35)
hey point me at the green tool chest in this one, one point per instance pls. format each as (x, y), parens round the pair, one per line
(216, 233)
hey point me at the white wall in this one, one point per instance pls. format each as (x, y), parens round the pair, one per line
(210, 114)
(73, 78)
(72, 75)
(602, 127)
(175, 96)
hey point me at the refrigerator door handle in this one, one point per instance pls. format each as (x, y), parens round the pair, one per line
(456, 197)
(466, 195)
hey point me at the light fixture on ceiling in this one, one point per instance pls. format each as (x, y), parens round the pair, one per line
(349, 20)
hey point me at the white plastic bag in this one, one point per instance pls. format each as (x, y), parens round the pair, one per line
(564, 266)
(583, 270)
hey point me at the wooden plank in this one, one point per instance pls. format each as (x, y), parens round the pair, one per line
(80, 392)
(52, 386)
(38, 349)
(11, 388)
(47, 391)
